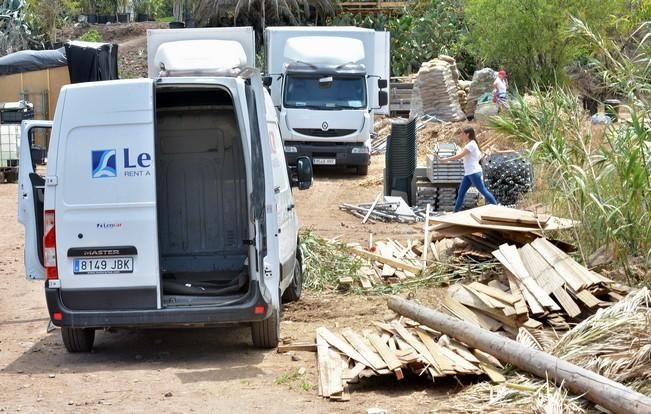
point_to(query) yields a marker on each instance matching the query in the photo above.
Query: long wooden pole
(596, 388)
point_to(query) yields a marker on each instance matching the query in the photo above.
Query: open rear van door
(382, 65)
(31, 188)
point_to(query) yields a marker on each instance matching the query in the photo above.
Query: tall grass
(599, 177)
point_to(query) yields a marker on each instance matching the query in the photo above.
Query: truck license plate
(105, 265)
(324, 161)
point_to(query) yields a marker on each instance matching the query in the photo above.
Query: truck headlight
(360, 150)
(289, 148)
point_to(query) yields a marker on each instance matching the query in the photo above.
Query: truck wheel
(265, 333)
(362, 170)
(294, 290)
(78, 339)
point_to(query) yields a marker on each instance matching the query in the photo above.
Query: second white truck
(327, 83)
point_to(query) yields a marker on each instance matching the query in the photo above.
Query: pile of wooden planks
(483, 229)
(387, 262)
(393, 348)
(541, 284)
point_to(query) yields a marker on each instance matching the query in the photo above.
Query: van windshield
(325, 92)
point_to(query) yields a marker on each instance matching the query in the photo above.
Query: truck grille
(315, 132)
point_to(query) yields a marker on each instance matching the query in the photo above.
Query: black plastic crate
(16, 117)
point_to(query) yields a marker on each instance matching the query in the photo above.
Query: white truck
(166, 201)
(327, 83)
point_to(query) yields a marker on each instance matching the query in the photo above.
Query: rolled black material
(508, 176)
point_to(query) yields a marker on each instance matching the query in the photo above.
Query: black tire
(295, 288)
(362, 170)
(78, 339)
(265, 333)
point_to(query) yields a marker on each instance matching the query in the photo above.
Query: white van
(166, 202)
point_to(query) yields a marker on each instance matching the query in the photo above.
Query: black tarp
(89, 62)
(30, 60)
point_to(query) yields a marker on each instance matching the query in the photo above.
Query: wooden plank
(501, 286)
(464, 218)
(462, 351)
(543, 273)
(456, 362)
(588, 298)
(534, 305)
(520, 305)
(494, 293)
(322, 362)
(560, 262)
(463, 296)
(443, 364)
(426, 239)
(357, 342)
(487, 300)
(517, 268)
(341, 345)
(297, 346)
(521, 217)
(416, 344)
(387, 355)
(387, 271)
(566, 302)
(386, 260)
(351, 374)
(334, 374)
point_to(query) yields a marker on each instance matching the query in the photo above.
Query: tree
(48, 16)
(530, 38)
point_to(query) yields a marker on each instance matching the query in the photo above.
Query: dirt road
(193, 370)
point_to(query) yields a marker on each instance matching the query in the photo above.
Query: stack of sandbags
(482, 82)
(435, 92)
(462, 92)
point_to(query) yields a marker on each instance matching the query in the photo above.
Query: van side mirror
(304, 175)
(267, 81)
(383, 98)
(382, 83)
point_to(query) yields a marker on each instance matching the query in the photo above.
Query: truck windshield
(325, 92)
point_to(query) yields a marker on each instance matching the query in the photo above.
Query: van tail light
(50, 246)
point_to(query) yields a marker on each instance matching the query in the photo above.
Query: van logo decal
(104, 163)
(324, 126)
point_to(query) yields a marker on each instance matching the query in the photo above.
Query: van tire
(295, 288)
(362, 170)
(265, 333)
(78, 339)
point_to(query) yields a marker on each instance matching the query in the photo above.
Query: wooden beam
(386, 260)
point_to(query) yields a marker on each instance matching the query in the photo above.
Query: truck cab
(327, 84)
(166, 201)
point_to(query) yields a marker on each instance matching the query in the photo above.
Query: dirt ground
(198, 370)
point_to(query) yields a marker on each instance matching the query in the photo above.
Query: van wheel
(294, 290)
(265, 333)
(78, 339)
(362, 170)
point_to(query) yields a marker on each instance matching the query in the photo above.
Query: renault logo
(324, 126)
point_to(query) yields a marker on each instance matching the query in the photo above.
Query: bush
(91, 36)
(425, 30)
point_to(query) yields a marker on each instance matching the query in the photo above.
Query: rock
(301, 371)
(482, 82)
(296, 358)
(52, 376)
(168, 394)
